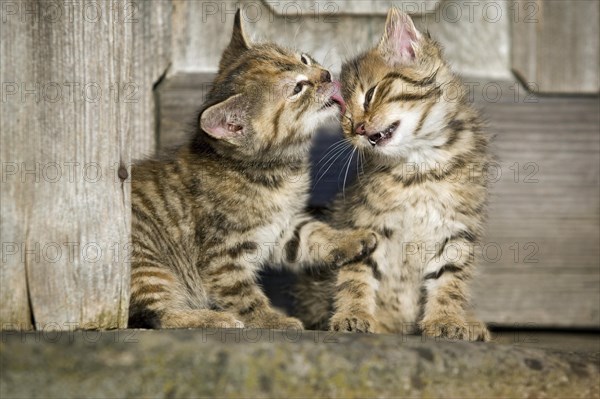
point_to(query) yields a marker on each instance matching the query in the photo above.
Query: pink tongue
(337, 95)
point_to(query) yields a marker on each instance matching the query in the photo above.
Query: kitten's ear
(227, 119)
(399, 39)
(238, 44)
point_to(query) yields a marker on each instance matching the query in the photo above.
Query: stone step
(284, 364)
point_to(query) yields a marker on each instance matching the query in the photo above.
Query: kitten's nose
(360, 130)
(326, 76)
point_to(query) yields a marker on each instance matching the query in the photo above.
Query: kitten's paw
(448, 327)
(352, 322)
(353, 245)
(226, 320)
(276, 321)
(478, 331)
(289, 323)
(454, 328)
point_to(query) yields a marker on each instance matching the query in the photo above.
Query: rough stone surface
(262, 363)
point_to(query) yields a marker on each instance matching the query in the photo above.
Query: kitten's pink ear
(238, 43)
(400, 38)
(227, 119)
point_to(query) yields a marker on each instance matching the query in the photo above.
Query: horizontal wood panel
(538, 300)
(465, 29)
(552, 278)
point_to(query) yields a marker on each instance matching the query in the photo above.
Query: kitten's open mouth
(384, 135)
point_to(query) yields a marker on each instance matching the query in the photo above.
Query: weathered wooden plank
(152, 57)
(538, 300)
(544, 214)
(71, 98)
(179, 98)
(464, 28)
(556, 45)
(475, 36)
(293, 9)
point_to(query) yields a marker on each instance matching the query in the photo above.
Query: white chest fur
(282, 210)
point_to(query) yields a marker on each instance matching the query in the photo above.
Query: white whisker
(331, 163)
(332, 148)
(347, 169)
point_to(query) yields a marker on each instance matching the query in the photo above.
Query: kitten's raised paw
(454, 328)
(353, 245)
(352, 322)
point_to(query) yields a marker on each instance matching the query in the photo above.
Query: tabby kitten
(423, 189)
(206, 218)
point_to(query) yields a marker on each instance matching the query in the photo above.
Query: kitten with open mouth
(429, 217)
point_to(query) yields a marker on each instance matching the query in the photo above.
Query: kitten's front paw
(290, 323)
(226, 320)
(353, 245)
(276, 321)
(352, 322)
(478, 331)
(454, 328)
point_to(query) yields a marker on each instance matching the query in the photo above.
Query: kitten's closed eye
(369, 97)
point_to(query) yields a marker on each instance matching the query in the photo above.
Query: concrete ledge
(263, 363)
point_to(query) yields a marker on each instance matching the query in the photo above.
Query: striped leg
(313, 297)
(167, 295)
(313, 242)
(355, 298)
(158, 300)
(233, 288)
(446, 278)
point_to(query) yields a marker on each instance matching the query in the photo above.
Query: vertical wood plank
(152, 56)
(72, 100)
(556, 45)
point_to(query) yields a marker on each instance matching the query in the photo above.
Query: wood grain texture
(351, 7)
(179, 98)
(556, 45)
(544, 214)
(540, 259)
(476, 35)
(151, 59)
(70, 111)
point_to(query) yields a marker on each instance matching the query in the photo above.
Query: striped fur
(210, 214)
(424, 190)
